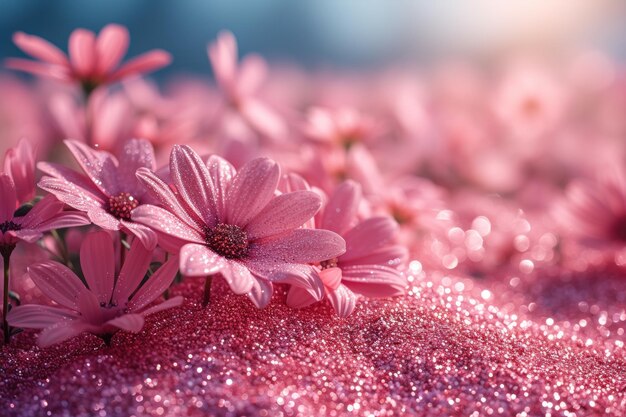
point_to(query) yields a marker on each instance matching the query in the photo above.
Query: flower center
(121, 205)
(330, 263)
(228, 240)
(8, 226)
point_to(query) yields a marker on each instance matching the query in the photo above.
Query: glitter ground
(446, 349)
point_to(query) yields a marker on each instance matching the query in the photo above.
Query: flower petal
(199, 261)
(251, 190)
(129, 322)
(33, 316)
(8, 198)
(192, 180)
(144, 234)
(374, 280)
(132, 272)
(343, 300)
(155, 286)
(82, 51)
(222, 174)
(368, 236)
(57, 282)
(283, 213)
(97, 260)
(261, 293)
(39, 48)
(341, 210)
(237, 276)
(299, 246)
(111, 45)
(61, 332)
(100, 166)
(142, 64)
(164, 222)
(167, 304)
(137, 153)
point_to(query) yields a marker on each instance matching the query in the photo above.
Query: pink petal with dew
(374, 280)
(40, 48)
(343, 300)
(33, 316)
(82, 52)
(192, 180)
(71, 194)
(81, 181)
(299, 298)
(199, 261)
(261, 293)
(57, 282)
(163, 194)
(102, 218)
(144, 234)
(44, 210)
(61, 332)
(391, 256)
(144, 63)
(167, 223)
(132, 272)
(99, 166)
(137, 153)
(129, 322)
(283, 213)
(299, 246)
(222, 174)
(167, 304)
(340, 212)
(111, 46)
(155, 285)
(19, 164)
(223, 57)
(263, 119)
(30, 236)
(298, 275)
(39, 69)
(369, 236)
(237, 276)
(251, 190)
(97, 260)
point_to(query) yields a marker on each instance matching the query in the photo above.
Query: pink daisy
(233, 223)
(106, 303)
(369, 267)
(92, 61)
(109, 191)
(240, 85)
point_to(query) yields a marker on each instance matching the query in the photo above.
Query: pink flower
(30, 224)
(232, 223)
(240, 85)
(19, 164)
(341, 127)
(595, 211)
(92, 60)
(369, 265)
(109, 191)
(106, 303)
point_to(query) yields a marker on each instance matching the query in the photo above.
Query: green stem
(207, 290)
(122, 248)
(5, 299)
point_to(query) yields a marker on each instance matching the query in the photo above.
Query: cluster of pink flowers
(326, 186)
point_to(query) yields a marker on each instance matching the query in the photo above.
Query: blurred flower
(19, 164)
(369, 267)
(106, 303)
(92, 60)
(109, 191)
(232, 223)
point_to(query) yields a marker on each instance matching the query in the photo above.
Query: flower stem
(207, 290)
(5, 299)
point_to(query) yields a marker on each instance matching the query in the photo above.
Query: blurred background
(352, 33)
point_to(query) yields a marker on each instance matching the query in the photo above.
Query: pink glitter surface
(437, 351)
